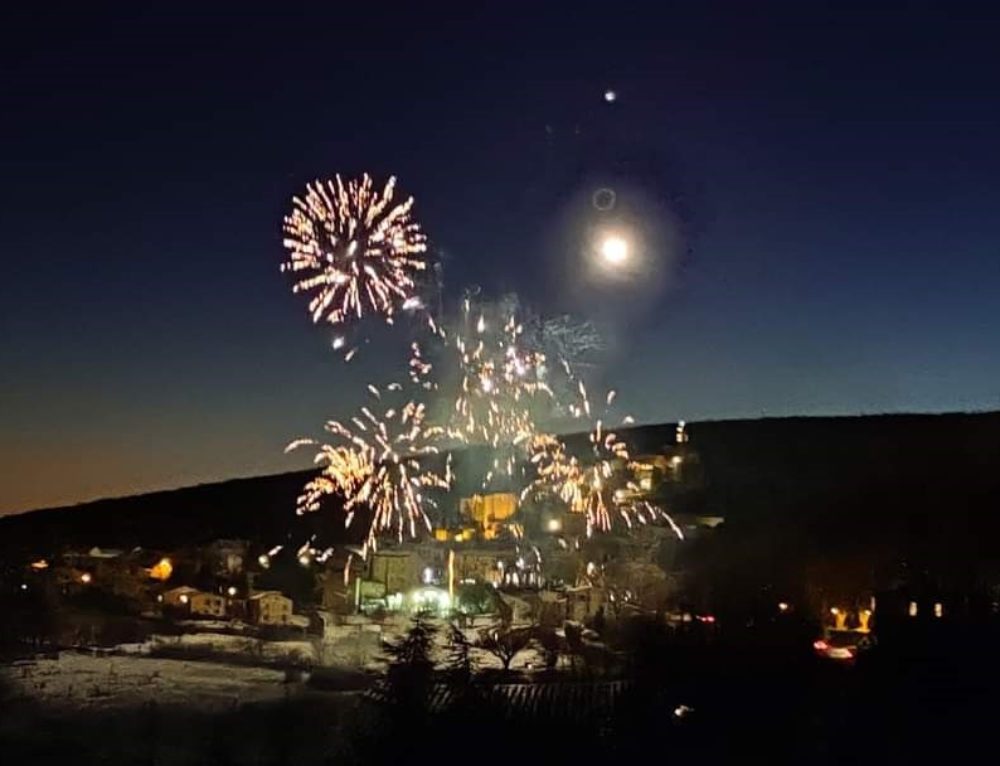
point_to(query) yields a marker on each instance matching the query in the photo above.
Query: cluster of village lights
(912, 610)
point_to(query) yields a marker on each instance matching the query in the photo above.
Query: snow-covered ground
(85, 681)
(133, 674)
(300, 651)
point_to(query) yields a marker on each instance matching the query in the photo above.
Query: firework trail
(355, 251)
(379, 461)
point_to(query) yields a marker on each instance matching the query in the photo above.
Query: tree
(477, 598)
(465, 699)
(506, 643)
(410, 667)
(549, 641)
(459, 662)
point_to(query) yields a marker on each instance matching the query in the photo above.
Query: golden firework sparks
(500, 383)
(601, 485)
(354, 250)
(380, 462)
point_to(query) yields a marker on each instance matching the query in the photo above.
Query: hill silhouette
(794, 491)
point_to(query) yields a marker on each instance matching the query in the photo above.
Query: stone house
(269, 607)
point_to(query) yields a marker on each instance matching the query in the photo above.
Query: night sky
(827, 175)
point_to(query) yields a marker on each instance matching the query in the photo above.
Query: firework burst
(601, 486)
(354, 250)
(380, 462)
(500, 383)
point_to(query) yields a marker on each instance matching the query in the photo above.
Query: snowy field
(357, 647)
(85, 681)
(132, 677)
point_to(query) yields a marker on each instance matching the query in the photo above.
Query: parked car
(842, 645)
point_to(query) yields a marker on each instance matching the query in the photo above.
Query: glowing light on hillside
(162, 570)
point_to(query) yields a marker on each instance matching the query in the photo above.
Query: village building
(270, 607)
(396, 570)
(178, 598)
(207, 604)
(195, 602)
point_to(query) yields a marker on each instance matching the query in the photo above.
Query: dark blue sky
(834, 165)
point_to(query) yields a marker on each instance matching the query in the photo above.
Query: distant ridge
(925, 483)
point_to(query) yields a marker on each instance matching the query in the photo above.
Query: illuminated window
(681, 433)
(912, 611)
(938, 609)
(865, 617)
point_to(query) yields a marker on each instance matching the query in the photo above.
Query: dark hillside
(919, 487)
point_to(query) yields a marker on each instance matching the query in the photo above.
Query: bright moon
(610, 96)
(614, 249)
